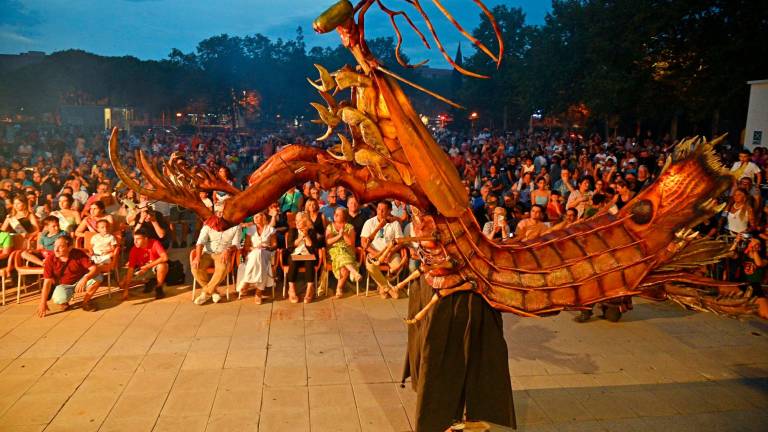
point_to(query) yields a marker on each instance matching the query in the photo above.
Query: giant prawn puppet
(647, 249)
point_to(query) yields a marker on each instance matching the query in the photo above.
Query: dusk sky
(149, 29)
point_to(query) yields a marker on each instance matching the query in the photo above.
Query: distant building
(93, 116)
(12, 62)
(757, 115)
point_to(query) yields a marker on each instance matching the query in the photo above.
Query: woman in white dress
(257, 268)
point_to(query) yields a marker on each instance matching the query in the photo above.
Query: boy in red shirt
(70, 270)
(146, 254)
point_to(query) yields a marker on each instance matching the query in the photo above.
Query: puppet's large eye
(642, 212)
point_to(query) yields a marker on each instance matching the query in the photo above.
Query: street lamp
(473, 118)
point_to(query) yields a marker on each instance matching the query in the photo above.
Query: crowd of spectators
(58, 182)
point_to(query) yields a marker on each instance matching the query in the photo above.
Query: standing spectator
(302, 245)
(744, 167)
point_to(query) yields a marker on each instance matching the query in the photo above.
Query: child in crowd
(46, 239)
(103, 244)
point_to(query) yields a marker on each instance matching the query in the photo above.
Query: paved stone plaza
(335, 365)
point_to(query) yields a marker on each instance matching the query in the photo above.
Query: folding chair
(385, 269)
(230, 265)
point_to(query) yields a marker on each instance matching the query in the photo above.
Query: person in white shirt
(744, 167)
(378, 232)
(257, 268)
(213, 248)
(103, 244)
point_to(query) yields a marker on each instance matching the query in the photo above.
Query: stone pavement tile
(245, 358)
(369, 370)
(526, 366)
(241, 379)
(391, 338)
(154, 362)
(614, 381)
(387, 418)
(607, 406)
(756, 395)
(138, 405)
(24, 428)
(528, 412)
(536, 382)
(138, 424)
(118, 364)
(85, 410)
(332, 408)
(33, 409)
(29, 366)
(317, 327)
(55, 383)
(217, 344)
(684, 400)
(131, 345)
(228, 422)
(215, 325)
(540, 427)
(408, 399)
(319, 311)
(197, 380)
(560, 406)
(196, 423)
(250, 340)
(286, 367)
(204, 360)
(171, 344)
(151, 381)
(646, 404)
(580, 426)
(284, 409)
(187, 404)
(326, 366)
(110, 382)
(73, 366)
(236, 401)
(625, 425)
(323, 340)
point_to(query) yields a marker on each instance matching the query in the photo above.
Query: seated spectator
(67, 271)
(154, 224)
(356, 216)
(6, 247)
(532, 227)
(257, 268)
(316, 220)
(45, 241)
(147, 254)
(103, 194)
(497, 228)
(20, 220)
(103, 245)
(541, 195)
(579, 198)
(329, 209)
(69, 219)
(378, 233)
(555, 207)
(340, 241)
(213, 248)
(302, 247)
(95, 214)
